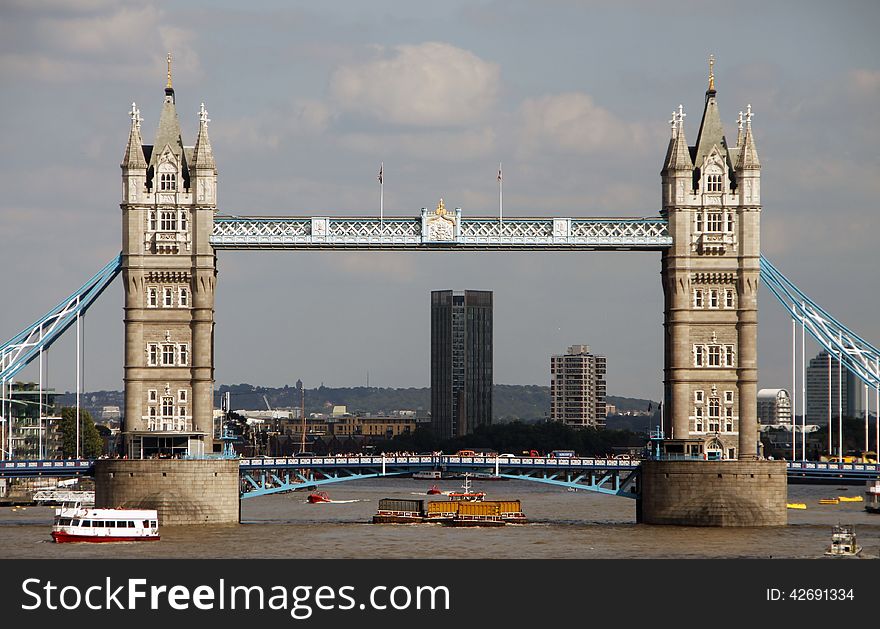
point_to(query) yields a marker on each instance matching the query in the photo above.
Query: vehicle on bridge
(562, 454)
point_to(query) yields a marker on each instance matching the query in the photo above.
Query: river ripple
(563, 525)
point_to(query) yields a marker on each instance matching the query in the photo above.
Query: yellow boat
(829, 501)
(850, 499)
(796, 505)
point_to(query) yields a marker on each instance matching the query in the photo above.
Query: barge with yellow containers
(450, 512)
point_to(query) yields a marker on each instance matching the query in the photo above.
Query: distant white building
(774, 407)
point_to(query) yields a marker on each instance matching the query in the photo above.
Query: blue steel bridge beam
(24, 347)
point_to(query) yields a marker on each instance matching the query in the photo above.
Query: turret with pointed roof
(678, 155)
(134, 150)
(748, 154)
(202, 167)
(711, 133)
(168, 142)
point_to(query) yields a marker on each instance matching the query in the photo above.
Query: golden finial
(441, 209)
(712, 73)
(168, 59)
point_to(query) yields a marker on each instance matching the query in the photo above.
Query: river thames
(562, 525)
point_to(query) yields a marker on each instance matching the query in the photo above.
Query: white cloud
(573, 123)
(95, 41)
(430, 84)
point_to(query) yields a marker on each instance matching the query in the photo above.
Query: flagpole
(500, 195)
(381, 193)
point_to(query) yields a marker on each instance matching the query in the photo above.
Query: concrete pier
(713, 493)
(182, 491)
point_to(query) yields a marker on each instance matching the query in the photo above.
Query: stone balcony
(167, 241)
(714, 243)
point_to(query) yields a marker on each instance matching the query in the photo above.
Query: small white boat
(843, 542)
(73, 523)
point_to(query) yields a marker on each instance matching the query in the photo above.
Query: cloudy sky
(307, 98)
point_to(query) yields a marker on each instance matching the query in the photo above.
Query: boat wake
(339, 502)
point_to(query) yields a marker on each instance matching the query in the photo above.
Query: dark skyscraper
(461, 361)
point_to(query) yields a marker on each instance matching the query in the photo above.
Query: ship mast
(302, 414)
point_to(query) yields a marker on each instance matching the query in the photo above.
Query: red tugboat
(318, 496)
(434, 490)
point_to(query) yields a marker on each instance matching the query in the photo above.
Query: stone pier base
(182, 491)
(713, 493)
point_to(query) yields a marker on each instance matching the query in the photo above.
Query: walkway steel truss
(855, 354)
(579, 234)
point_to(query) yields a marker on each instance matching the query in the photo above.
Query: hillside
(512, 402)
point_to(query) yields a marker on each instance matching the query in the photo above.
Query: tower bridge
(707, 233)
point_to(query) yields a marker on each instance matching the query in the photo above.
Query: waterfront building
(774, 407)
(577, 388)
(375, 426)
(35, 434)
(844, 393)
(168, 272)
(461, 361)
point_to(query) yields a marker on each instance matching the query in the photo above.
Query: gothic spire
(203, 156)
(678, 156)
(134, 152)
(711, 131)
(168, 132)
(748, 154)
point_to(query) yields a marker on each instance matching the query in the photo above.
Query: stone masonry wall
(182, 491)
(713, 493)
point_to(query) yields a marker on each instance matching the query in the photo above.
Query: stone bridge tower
(169, 272)
(712, 200)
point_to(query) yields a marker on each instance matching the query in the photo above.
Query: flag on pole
(500, 195)
(381, 179)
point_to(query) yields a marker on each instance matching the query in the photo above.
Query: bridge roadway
(342, 468)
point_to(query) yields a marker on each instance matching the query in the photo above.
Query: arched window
(183, 298)
(168, 182)
(714, 415)
(713, 183)
(168, 221)
(728, 299)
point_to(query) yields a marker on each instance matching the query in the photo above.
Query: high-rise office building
(577, 388)
(461, 361)
(845, 390)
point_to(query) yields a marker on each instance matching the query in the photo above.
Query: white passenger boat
(74, 523)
